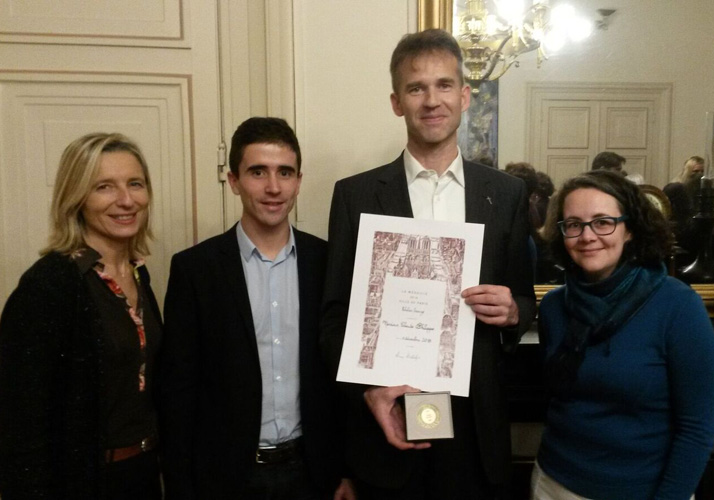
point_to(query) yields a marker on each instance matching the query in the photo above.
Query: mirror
(644, 48)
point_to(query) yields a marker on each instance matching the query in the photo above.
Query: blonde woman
(693, 169)
(78, 339)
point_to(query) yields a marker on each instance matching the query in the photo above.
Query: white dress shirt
(435, 197)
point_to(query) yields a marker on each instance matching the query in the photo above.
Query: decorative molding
(41, 112)
(145, 23)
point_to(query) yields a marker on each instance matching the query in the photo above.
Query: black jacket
(51, 424)
(493, 198)
(211, 389)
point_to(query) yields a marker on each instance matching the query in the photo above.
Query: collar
(413, 168)
(87, 258)
(247, 248)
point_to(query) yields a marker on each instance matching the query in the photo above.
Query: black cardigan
(51, 442)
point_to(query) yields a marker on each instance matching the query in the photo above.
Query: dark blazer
(51, 378)
(493, 198)
(211, 390)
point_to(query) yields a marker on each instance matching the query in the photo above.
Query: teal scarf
(596, 311)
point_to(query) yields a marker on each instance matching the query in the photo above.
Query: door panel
(568, 124)
(41, 117)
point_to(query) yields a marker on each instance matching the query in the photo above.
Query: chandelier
(492, 42)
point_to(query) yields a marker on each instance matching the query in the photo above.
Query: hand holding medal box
(428, 416)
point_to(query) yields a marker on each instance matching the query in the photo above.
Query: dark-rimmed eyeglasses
(602, 226)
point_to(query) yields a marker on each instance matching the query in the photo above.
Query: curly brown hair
(651, 240)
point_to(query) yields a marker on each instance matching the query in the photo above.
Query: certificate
(407, 322)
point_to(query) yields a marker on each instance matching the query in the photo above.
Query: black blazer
(51, 385)
(493, 198)
(211, 390)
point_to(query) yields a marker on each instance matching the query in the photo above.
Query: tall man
(245, 399)
(431, 181)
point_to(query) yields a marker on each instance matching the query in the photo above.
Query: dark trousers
(287, 480)
(136, 478)
(450, 470)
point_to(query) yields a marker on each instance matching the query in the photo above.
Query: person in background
(682, 193)
(547, 269)
(431, 181)
(247, 404)
(79, 336)
(629, 354)
(607, 160)
(682, 223)
(693, 169)
(542, 196)
(635, 178)
(527, 173)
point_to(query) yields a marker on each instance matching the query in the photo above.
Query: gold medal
(428, 416)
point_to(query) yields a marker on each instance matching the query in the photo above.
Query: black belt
(280, 452)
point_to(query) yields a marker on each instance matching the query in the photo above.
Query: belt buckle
(258, 460)
(145, 443)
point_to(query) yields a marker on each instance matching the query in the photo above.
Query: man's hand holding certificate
(492, 304)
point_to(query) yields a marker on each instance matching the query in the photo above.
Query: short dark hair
(545, 187)
(428, 41)
(651, 240)
(262, 130)
(607, 160)
(526, 172)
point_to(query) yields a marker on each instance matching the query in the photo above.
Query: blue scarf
(596, 311)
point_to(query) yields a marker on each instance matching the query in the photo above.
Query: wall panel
(129, 22)
(42, 113)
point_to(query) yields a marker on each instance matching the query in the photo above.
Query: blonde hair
(78, 169)
(687, 171)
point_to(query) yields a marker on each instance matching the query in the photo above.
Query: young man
(430, 180)
(245, 399)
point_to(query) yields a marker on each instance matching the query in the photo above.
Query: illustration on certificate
(398, 259)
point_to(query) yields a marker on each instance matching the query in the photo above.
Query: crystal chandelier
(492, 42)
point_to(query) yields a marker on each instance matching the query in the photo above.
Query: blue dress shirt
(275, 305)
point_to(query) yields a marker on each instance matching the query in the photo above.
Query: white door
(569, 124)
(148, 69)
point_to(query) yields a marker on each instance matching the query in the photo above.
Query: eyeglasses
(602, 226)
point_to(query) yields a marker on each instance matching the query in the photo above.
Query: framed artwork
(478, 134)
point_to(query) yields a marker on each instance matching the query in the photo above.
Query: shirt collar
(248, 249)
(86, 258)
(414, 168)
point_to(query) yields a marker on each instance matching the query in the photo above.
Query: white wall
(344, 119)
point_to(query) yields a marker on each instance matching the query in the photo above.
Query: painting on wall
(478, 134)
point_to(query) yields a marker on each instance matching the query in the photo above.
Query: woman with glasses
(629, 354)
